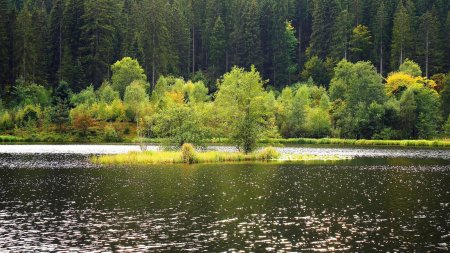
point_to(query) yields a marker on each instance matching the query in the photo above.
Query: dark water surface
(383, 200)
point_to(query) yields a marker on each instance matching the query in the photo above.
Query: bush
(27, 116)
(81, 121)
(188, 153)
(110, 134)
(6, 121)
(268, 153)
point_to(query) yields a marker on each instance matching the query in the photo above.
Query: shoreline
(274, 142)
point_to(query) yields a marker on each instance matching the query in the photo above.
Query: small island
(188, 155)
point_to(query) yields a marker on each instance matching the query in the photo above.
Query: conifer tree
(218, 47)
(380, 34)
(402, 36)
(4, 45)
(97, 37)
(56, 41)
(429, 51)
(324, 13)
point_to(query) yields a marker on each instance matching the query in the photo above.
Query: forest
(189, 70)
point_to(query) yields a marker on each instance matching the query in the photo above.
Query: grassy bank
(68, 138)
(351, 142)
(9, 138)
(188, 155)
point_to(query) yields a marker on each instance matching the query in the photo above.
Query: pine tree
(360, 43)
(56, 41)
(380, 34)
(179, 40)
(341, 34)
(402, 36)
(97, 38)
(429, 50)
(218, 47)
(153, 38)
(4, 45)
(250, 49)
(324, 13)
(30, 46)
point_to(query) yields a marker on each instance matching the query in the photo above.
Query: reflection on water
(370, 204)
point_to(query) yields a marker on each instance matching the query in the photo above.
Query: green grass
(351, 142)
(176, 157)
(10, 138)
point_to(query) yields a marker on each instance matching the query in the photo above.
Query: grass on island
(188, 155)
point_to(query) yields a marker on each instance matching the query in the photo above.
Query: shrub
(188, 153)
(81, 121)
(268, 153)
(110, 134)
(29, 115)
(6, 121)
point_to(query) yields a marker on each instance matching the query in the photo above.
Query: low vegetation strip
(188, 155)
(10, 138)
(352, 142)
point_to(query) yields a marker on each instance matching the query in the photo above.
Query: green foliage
(244, 107)
(124, 72)
(110, 134)
(447, 128)
(85, 97)
(107, 94)
(135, 98)
(180, 124)
(318, 70)
(402, 35)
(360, 43)
(6, 121)
(31, 94)
(445, 96)
(61, 98)
(411, 68)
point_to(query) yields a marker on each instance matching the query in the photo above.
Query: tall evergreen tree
(4, 45)
(360, 43)
(430, 53)
(30, 44)
(56, 41)
(324, 13)
(402, 36)
(218, 47)
(380, 34)
(97, 37)
(250, 50)
(341, 33)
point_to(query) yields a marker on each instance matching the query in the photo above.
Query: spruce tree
(4, 45)
(56, 41)
(402, 36)
(341, 34)
(360, 43)
(380, 36)
(324, 13)
(218, 47)
(98, 39)
(430, 53)
(250, 49)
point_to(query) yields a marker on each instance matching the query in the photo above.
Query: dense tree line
(357, 105)
(76, 41)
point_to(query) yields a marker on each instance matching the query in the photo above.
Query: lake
(385, 199)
